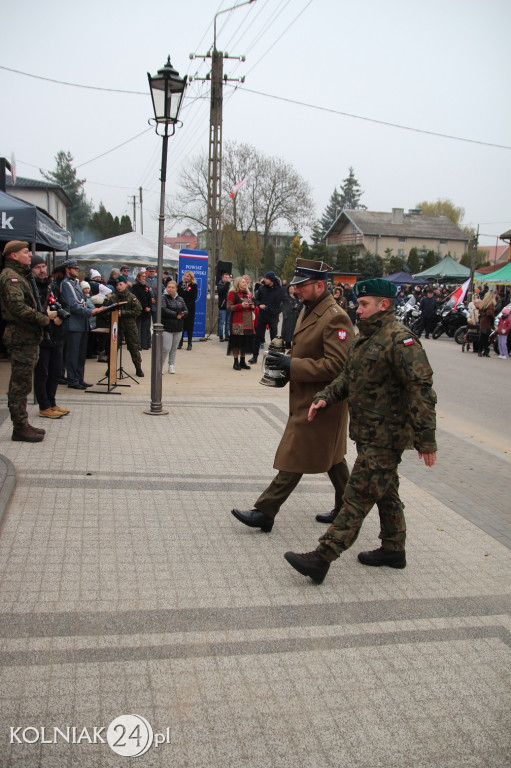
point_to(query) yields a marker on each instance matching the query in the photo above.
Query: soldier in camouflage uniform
(388, 381)
(127, 319)
(22, 336)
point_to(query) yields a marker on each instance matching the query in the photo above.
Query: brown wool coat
(319, 348)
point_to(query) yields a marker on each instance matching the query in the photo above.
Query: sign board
(196, 262)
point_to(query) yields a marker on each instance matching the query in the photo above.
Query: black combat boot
(139, 372)
(392, 558)
(328, 517)
(309, 564)
(253, 360)
(254, 519)
(244, 366)
(236, 365)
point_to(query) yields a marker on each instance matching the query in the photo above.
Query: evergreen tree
(125, 225)
(413, 263)
(332, 211)
(395, 264)
(317, 233)
(343, 261)
(64, 175)
(370, 266)
(429, 259)
(351, 193)
(305, 250)
(288, 266)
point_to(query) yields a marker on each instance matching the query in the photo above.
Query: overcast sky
(443, 66)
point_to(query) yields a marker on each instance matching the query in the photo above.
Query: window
(402, 239)
(443, 242)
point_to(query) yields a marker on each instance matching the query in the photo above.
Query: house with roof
(44, 194)
(399, 231)
(185, 239)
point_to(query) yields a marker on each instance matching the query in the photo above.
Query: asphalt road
(473, 465)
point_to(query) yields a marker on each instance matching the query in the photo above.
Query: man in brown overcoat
(321, 340)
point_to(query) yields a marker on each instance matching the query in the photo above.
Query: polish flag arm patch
(408, 342)
(342, 335)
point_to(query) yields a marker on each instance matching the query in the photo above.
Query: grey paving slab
(127, 587)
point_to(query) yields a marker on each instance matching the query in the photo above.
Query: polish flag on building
(459, 293)
(236, 188)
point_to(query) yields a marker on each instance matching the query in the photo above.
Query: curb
(7, 484)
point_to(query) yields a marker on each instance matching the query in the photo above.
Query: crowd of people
(51, 324)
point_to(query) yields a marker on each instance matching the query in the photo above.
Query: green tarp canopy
(499, 277)
(446, 270)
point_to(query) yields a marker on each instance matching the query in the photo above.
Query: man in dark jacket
(49, 366)
(223, 322)
(22, 336)
(428, 307)
(387, 381)
(268, 298)
(77, 330)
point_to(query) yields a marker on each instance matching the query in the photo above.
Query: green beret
(377, 286)
(121, 279)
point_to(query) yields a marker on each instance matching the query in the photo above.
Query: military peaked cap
(307, 269)
(377, 286)
(13, 246)
(69, 263)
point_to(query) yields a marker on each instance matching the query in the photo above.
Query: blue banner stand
(196, 262)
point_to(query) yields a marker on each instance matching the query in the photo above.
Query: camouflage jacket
(129, 311)
(24, 324)
(388, 382)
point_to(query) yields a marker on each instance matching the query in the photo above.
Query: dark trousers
(426, 324)
(144, 330)
(281, 487)
(76, 352)
(264, 319)
(46, 376)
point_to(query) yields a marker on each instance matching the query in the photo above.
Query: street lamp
(167, 91)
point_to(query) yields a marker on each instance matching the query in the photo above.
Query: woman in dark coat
(291, 307)
(486, 320)
(187, 289)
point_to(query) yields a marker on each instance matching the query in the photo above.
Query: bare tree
(274, 193)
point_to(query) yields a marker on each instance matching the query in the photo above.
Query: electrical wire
(74, 85)
(333, 111)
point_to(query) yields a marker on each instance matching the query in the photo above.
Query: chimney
(398, 215)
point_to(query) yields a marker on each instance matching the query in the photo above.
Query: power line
(371, 119)
(73, 85)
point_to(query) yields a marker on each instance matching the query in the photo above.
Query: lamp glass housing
(167, 91)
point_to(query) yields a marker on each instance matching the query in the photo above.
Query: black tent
(404, 278)
(23, 221)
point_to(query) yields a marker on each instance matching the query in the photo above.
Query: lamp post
(167, 91)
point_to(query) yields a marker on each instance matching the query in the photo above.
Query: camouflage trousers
(281, 487)
(373, 480)
(23, 362)
(130, 333)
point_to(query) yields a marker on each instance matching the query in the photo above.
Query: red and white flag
(236, 188)
(459, 294)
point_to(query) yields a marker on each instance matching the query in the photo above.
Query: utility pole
(132, 200)
(217, 77)
(141, 211)
(473, 254)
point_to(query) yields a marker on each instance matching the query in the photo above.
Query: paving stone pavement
(127, 587)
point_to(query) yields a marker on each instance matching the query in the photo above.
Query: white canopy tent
(132, 249)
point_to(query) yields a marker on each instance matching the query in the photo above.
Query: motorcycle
(408, 314)
(450, 322)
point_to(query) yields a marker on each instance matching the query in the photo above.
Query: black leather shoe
(253, 361)
(236, 366)
(390, 557)
(328, 517)
(244, 366)
(309, 564)
(84, 384)
(76, 386)
(254, 519)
